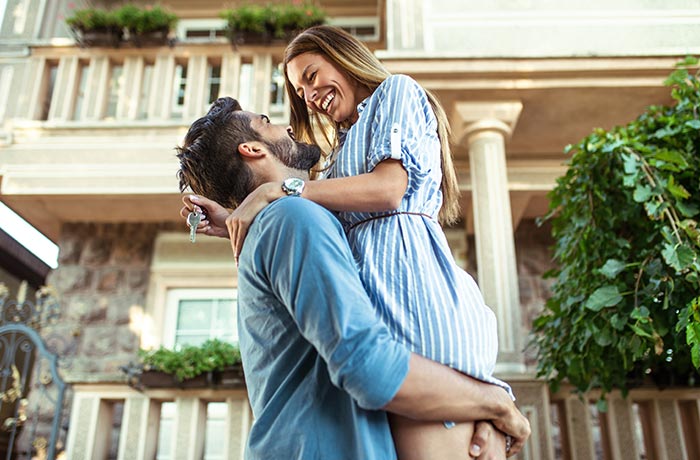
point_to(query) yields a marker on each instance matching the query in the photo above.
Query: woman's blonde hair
(361, 65)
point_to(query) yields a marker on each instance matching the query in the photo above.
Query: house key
(193, 220)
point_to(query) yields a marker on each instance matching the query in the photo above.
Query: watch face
(294, 183)
(293, 186)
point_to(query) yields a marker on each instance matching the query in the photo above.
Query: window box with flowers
(148, 26)
(95, 27)
(270, 24)
(214, 364)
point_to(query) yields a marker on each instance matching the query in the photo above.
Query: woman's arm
(380, 190)
(376, 191)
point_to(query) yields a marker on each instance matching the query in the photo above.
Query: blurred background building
(87, 137)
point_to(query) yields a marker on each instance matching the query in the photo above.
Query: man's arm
(432, 391)
(306, 259)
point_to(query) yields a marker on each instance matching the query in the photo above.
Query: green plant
(290, 18)
(191, 361)
(144, 20)
(246, 18)
(89, 19)
(276, 20)
(626, 298)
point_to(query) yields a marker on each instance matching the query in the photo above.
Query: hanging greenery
(625, 304)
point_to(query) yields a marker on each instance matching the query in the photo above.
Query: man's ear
(251, 149)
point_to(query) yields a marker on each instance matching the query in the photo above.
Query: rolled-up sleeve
(313, 272)
(402, 118)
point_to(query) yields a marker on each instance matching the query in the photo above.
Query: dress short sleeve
(402, 125)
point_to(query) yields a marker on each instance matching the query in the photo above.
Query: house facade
(87, 137)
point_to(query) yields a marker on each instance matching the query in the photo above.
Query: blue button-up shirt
(318, 362)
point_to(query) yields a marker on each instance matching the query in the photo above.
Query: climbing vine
(625, 302)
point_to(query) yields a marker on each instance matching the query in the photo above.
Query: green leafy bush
(272, 21)
(625, 304)
(191, 361)
(144, 20)
(89, 19)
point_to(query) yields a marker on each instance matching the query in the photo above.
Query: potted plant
(149, 26)
(95, 27)
(260, 25)
(287, 20)
(214, 363)
(247, 24)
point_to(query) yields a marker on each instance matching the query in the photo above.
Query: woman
(389, 177)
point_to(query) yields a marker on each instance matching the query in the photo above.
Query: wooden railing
(649, 424)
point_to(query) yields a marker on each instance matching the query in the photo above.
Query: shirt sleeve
(401, 121)
(311, 268)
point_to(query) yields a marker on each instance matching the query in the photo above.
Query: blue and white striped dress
(429, 303)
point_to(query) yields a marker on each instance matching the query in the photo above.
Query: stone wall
(534, 256)
(102, 275)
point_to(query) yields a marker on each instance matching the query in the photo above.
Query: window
(363, 27)
(20, 13)
(277, 93)
(196, 315)
(213, 83)
(49, 82)
(180, 86)
(145, 93)
(82, 87)
(116, 84)
(201, 30)
(165, 432)
(215, 431)
(5, 83)
(245, 83)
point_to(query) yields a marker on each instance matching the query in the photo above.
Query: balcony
(98, 126)
(169, 424)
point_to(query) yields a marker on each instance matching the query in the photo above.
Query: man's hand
(488, 443)
(213, 221)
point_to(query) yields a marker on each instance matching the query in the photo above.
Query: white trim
(210, 25)
(353, 22)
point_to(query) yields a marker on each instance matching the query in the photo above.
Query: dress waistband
(396, 213)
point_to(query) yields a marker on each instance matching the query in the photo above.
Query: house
(87, 137)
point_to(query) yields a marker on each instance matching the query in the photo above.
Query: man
(319, 363)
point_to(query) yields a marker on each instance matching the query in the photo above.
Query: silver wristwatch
(293, 186)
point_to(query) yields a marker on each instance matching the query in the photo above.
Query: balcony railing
(213, 424)
(73, 87)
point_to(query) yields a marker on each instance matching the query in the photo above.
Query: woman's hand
(241, 218)
(213, 221)
(488, 443)
(515, 424)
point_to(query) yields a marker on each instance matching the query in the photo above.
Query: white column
(197, 88)
(97, 89)
(139, 431)
(130, 91)
(484, 129)
(161, 97)
(65, 87)
(190, 425)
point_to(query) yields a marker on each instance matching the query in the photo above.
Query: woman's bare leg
(416, 440)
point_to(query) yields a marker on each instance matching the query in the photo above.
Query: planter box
(99, 38)
(155, 38)
(231, 377)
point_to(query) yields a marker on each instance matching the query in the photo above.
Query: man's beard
(296, 155)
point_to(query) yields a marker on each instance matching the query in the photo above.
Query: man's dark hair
(209, 160)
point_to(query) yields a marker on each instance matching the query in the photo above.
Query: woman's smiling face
(324, 87)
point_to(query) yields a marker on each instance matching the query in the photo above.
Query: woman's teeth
(326, 102)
